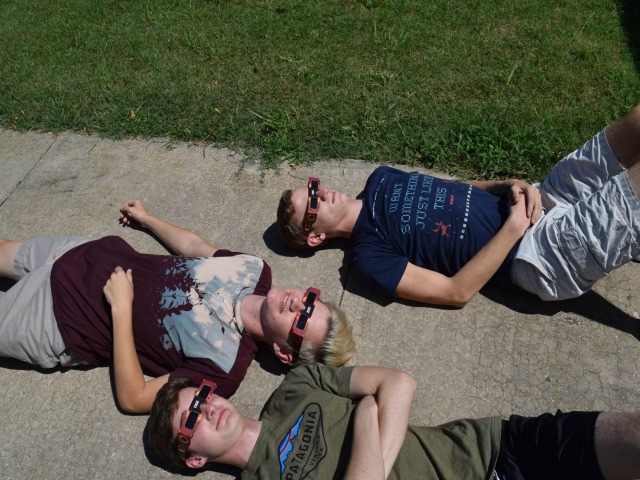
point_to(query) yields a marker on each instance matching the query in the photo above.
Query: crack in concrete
(28, 173)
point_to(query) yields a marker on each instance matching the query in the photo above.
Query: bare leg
(634, 178)
(8, 250)
(617, 442)
(624, 138)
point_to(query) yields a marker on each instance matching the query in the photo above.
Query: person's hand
(530, 196)
(119, 288)
(518, 218)
(133, 210)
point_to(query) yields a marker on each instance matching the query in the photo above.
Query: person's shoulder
(223, 253)
(317, 375)
(388, 169)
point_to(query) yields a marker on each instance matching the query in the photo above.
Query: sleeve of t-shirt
(264, 283)
(383, 169)
(379, 266)
(196, 369)
(335, 380)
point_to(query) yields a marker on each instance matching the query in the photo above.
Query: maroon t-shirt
(184, 309)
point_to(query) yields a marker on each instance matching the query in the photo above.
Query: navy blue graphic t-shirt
(433, 223)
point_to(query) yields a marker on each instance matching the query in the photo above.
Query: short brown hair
(291, 233)
(160, 423)
(338, 346)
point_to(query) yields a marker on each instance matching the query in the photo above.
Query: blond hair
(338, 346)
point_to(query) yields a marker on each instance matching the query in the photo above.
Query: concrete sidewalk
(502, 354)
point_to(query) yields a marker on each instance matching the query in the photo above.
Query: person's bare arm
(393, 391)
(134, 394)
(423, 285)
(365, 462)
(181, 240)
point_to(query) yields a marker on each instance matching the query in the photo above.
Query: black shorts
(549, 447)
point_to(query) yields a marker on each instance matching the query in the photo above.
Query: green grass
(478, 88)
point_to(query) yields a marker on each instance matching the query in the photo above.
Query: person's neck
(239, 455)
(345, 227)
(250, 312)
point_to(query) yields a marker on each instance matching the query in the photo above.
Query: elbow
(408, 383)
(129, 406)
(460, 300)
(460, 297)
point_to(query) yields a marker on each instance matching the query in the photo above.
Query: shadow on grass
(629, 11)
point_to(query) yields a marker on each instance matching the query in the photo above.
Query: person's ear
(283, 355)
(315, 239)
(196, 462)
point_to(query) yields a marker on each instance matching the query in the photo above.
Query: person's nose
(207, 409)
(296, 304)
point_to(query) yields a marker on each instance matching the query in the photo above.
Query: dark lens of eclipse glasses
(204, 392)
(192, 418)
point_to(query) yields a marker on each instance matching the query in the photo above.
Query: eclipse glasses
(194, 414)
(302, 320)
(313, 202)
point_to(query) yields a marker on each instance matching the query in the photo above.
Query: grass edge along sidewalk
(490, 90)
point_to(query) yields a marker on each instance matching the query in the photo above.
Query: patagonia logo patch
(304, 446)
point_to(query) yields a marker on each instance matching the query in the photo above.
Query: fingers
(516, 193)
(127, 215)
(534, 204)
(532, 197)
(119, 273)
(129, 204)
(531, 194)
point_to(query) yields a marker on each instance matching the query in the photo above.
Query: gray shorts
(591, 226)
(28, 328)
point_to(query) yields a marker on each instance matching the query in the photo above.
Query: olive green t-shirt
(307, 432)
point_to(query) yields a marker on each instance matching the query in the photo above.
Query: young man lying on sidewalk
(352, 423)
(437, 241)
(197, 315)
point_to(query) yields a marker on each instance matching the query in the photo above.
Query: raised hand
(134, 210)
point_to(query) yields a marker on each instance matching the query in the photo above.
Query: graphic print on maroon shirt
(185, 310)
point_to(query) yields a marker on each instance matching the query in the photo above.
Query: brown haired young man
(436, 241)
(352, 423)
(196, 315)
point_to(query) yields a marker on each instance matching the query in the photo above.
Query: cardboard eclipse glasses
(313, 202)
(302, 320)
(194, 414)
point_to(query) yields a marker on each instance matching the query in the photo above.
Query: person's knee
(8, 250)
(634, 117)
(617, 444)
(624, 138)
